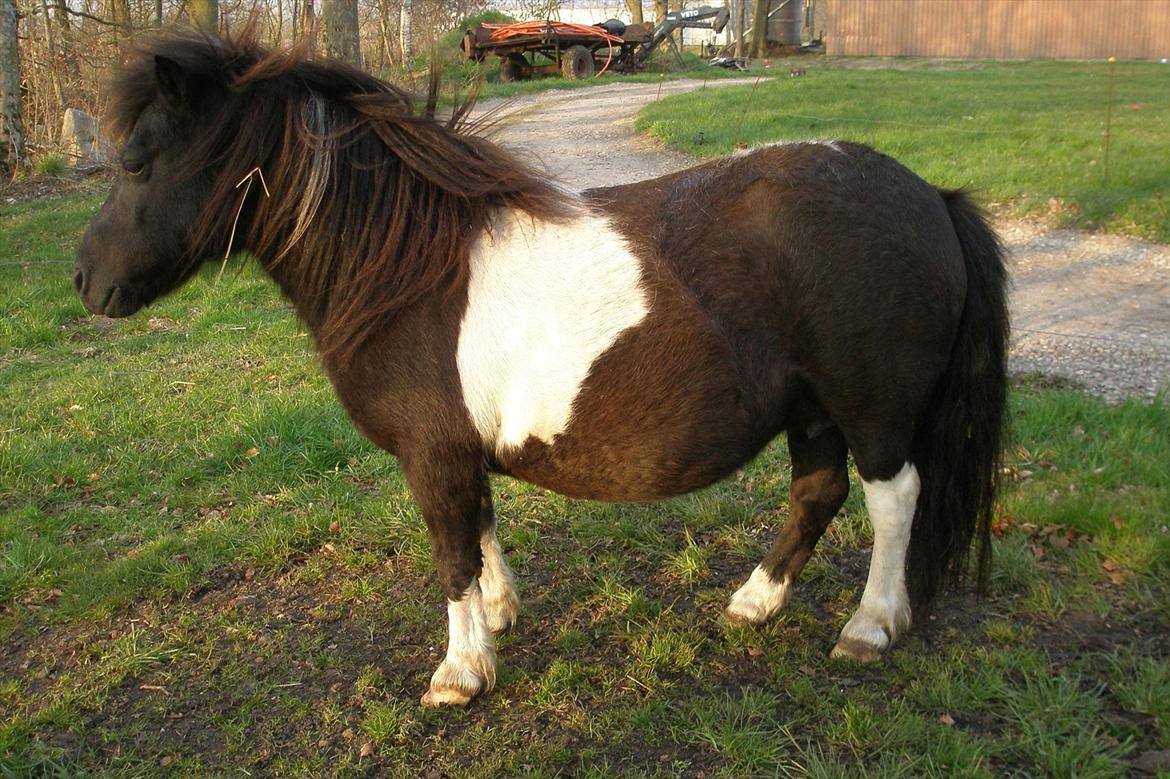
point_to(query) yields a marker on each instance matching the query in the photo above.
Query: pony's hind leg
(820, 484)
(496, 582)
(448, 486)
(884, 612)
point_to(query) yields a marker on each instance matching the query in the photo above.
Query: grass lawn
(204, 569)
(1027, 137)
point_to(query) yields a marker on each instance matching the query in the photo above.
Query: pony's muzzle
(114, 300)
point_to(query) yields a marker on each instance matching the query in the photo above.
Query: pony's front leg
(449, 485)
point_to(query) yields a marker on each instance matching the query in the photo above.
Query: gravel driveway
(1092, 309)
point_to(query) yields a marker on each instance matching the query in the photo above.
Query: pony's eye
(133, 167)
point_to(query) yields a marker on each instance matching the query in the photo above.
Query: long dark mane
(373, 202)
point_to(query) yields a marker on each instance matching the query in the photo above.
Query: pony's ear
(173, 82)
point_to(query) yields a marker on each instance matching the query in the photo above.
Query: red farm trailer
(580, 50)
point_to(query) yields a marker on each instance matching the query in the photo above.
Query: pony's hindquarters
(899, 301)
(927, 517)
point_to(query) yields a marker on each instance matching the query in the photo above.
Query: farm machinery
(580, 51)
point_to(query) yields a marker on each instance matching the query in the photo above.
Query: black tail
(957, 446)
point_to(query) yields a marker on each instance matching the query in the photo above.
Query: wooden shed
(999, 29)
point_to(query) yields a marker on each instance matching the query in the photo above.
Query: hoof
(456, 684)
(501, 611)
(434, 698)
(857, 651)
(736, 614)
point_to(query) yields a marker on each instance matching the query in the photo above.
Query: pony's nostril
(78, 279)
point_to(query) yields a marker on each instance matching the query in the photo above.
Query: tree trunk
(204, 14)
(760, 29)
(54, 59)
(309, 25)
(61, 13)
(740, 25)
(406, 33)
(635, 7)
(339, 30)
(125, 16)
(11, 126)
(660, 10)
(383, 39)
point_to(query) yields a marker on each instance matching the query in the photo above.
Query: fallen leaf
(947, 720)
(367, 749)
(807, 670)
(755, 651)
(252, 452)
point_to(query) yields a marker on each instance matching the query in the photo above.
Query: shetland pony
(624, 343)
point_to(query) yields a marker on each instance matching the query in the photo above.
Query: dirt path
(1093, 309)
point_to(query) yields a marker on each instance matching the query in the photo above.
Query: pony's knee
(455, 578)
(827, 488)
(891, 506)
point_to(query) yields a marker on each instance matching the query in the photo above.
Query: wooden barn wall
(999, 29)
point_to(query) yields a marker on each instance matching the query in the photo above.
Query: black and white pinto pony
(623, 343)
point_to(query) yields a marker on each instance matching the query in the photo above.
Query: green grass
(1027, 137)
(204, 569)
(49, 165)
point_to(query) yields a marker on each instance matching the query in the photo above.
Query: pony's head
(369, 202)
(142, 243)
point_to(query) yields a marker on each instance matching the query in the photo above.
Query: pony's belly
(634, 474)
(633, 443)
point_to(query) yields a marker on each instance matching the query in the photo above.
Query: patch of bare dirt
(23, 190)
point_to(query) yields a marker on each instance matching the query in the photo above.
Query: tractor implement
(581, 51)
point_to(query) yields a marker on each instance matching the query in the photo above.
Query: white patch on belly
(545, 300)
